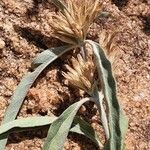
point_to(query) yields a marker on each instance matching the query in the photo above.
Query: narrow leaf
(22, 89)
(117, 120)
(30, 122)
(82, 127)
(24, 124)
(46, 55)
(59, 129)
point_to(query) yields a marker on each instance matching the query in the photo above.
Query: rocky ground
(25, 31)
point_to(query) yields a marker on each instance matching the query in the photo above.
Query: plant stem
(99, 101)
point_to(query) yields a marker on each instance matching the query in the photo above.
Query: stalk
(98, 96)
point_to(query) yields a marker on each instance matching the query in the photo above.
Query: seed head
(81, 74)
(106, 41)
(72, 23)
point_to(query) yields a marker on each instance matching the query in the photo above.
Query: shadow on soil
(120, 3)
(146, 24)
(36, 37)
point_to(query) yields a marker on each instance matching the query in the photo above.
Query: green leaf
(25, 84)
(24, 124)
(47, 55)
(118, 123)
(59, 129)
(82, 127)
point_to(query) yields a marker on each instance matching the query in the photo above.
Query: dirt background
(25, 31)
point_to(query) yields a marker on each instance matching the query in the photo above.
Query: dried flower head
(106, 41)
(81, 74)
(72, 23)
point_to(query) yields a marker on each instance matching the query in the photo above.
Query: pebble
(2, 44)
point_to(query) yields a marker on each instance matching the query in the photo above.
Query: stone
(2, 44)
